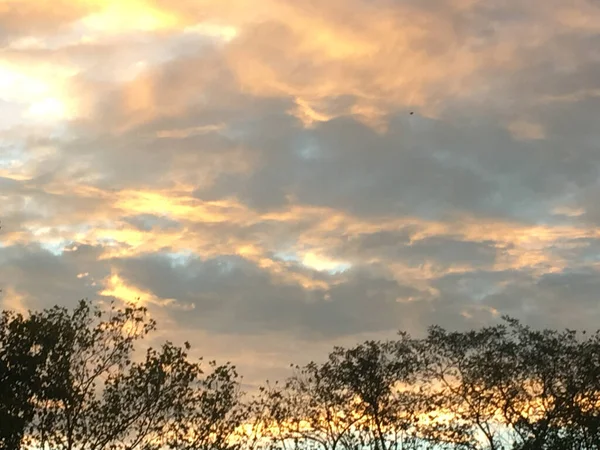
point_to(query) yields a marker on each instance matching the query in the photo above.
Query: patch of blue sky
(308, 148)
(180, 258)
(287, 256)
(55, 246)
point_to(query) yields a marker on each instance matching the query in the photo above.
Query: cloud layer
(274, 177)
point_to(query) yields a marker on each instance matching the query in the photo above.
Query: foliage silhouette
(77, 380)
(84, 390)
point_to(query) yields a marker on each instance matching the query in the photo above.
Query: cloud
(35, 17)
(284, 174)
(37, 278)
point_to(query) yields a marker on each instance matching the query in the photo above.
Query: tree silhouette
(74, 380)
(31, 353)
(376, 374)
(84, 390)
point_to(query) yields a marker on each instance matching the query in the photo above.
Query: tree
(95, 359)
(459, 372)
(554, 389)
(517, 388)
(362, 397)
(379, 375)
(88, 389)
(212, 413)
(266, 415)
(31, 351)
(585, 412)
(314, 409)
(75, 380)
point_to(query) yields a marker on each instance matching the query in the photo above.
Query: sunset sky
(251, 169)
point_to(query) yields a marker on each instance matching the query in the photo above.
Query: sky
(275, 177)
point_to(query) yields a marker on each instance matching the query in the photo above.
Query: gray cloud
(45, 279)
(232, 295)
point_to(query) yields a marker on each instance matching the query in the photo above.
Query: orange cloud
(30, 16)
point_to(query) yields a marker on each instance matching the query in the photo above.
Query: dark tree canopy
(504, 387)
(77, 380)
(69, 380)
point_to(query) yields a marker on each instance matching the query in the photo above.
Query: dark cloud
(232, 295)
(404, 245)
(44, 279)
